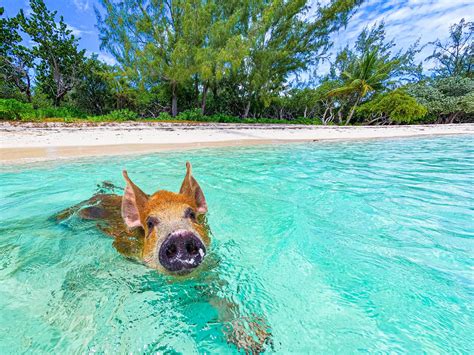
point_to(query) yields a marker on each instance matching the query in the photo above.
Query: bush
(59, 112)
(392, 107)
(191, 115)
(121, 115)
(164, 116)
(11, 109)
(448, 99)
(196, 116)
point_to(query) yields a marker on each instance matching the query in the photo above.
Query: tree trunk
(57, 101)
(196, 90)
(453, 116)
(323, 119)
(204, 97)
(174, 100)
(305, 111)
(28, 88)
(247, 109)
(351, 113)
(28, 94)
(214, 91)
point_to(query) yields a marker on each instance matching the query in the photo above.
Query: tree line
(231, 61)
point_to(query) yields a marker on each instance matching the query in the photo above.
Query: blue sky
(406, 20)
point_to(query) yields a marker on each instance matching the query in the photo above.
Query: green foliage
(16, 60)
(41, 100)
(56, 48)
(256, 43)
(455, 57)
(448, 99)
(164, 116)
(227, 61)
(392, 107)
(93, 93)
(59, 112)
(368, 68)
(191, 115)
(121, 115)
(11, 109)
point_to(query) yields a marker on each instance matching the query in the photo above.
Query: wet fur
(112, 213)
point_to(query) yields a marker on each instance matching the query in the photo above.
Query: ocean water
(342, 247)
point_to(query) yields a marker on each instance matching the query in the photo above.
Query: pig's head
(174, 239)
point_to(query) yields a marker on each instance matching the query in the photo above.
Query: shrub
(448, 99)
(191, 115)
(11, 109)
(121, 115)
(59, 112)
(164, 116)
(223, 118)
(392, 107)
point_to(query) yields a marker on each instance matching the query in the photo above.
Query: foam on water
(342, 247)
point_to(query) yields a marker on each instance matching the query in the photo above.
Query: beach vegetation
(393, 107)
(229, 61)
(57, 58)
(448, 99)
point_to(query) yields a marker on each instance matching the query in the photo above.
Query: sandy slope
(33, 141)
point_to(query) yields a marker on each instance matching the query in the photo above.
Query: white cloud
(78, 32)
(108, 59)
(104, 57)
(82, 5)
(407, 20)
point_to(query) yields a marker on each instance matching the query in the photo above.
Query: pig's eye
(189, 213)
(151, 222)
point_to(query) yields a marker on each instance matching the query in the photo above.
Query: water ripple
(342, 247)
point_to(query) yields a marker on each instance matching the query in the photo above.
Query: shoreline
(32, 142)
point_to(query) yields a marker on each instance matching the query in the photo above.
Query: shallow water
(341, 247)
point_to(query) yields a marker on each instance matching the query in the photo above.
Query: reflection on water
(342, 247)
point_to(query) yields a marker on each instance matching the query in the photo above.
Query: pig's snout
(181, 251)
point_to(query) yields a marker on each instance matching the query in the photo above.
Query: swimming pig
(168, 232)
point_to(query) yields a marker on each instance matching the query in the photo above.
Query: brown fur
(125, 219)
(169, 208)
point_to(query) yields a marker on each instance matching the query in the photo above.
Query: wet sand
(25, 142)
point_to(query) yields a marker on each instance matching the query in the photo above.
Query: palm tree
(364, 75)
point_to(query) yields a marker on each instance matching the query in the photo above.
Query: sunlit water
(341, 247)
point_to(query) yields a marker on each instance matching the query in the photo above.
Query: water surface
(342, 247)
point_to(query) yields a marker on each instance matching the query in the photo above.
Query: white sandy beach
(44, 141)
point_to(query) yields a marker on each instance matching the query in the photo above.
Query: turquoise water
(341, 247)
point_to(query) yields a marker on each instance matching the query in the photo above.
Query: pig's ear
(133, 203)
(191, 188)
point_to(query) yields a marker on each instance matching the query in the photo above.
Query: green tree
(448, 100)
(363, 76)
(149, 41)
(218, 45)
(285, 40)
(326, 107)
(392, 107)
(255, 44)
(16, 60)
(455, 57)
(93, 94)
(60, 60)
(369, 68)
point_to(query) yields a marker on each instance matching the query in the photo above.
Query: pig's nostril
(171, 251)
(181, 251)
(192, 248)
